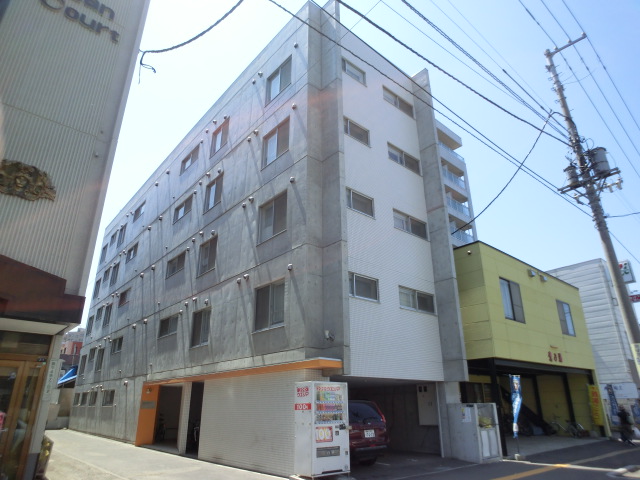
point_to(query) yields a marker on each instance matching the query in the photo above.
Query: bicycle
(573, 428)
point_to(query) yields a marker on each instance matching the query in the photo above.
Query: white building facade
(66, 70)
(300, 231)
(615, 364)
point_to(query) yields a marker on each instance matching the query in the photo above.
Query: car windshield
(362, 412)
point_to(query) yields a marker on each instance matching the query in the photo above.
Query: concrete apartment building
(300, 231)
(521, 321)
(66, 68)
(615, 364)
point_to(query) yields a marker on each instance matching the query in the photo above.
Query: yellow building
(518, 320)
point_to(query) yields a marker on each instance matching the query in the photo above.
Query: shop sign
(554, 356)
(85, 20)
(596, 406)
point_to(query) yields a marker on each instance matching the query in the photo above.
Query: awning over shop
(68, 377)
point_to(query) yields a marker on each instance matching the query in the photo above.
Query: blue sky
(527, 220)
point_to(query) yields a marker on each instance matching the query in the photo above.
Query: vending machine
(322, 429)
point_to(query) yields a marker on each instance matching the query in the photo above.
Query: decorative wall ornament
(25, 181)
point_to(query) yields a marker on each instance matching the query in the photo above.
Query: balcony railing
(451, 151)
(463, 237)
(458, 207)
(455, 179)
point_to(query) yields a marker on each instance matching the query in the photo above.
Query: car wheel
(368, 462)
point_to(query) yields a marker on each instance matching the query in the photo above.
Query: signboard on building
(634, 298)
(627, 273)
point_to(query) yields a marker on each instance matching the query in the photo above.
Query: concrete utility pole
(590, 173)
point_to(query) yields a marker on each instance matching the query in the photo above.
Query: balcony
(462, 238)
(454, 179)
(451, 152)
(458, 207)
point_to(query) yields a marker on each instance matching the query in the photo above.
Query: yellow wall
(488, 333)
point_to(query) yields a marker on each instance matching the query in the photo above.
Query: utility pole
(590, 173)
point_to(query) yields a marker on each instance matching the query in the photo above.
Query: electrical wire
(484, 140)
(520, 165)
(453, 77)
(186, 42)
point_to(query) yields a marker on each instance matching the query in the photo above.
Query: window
(219, 137)
(83, 364)
(213, 194)
(103, 255)
(90, 324)
(108, 397)
(124, 297)
(107, 315)
(96, 289)
(182, 209)
(275, 143)
(114, 274)
(175, 264)
(99, 316)
(409, 224)
(83, 398)
(356, 131)
(200, 332)
(168, 326)
(92, 398)
(269, 306)
(415, 300)
(92, 355)
(107, 274)
(207, 259)
(189, 160)
(99, 358)
(403, 159)
(363, 287)
(138, 212)
(116, 345)
(566, 320)
(76, 399)
(114, 237)
(353, 71)
(279, 80)
(121, 234)
(511, 300)
(273, 217)
(131, 253)
(397, 102)
(359, 202)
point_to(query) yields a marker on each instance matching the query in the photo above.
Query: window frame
(512, 300)
(353, 291)
(114, 237)
(348, 124)
(172, 326)
(106, 319)
(99, 361)
(184, 207)
(114, 274)
(123, 297)
(116, 345)
(108, 398)
(222, 132)
(83, 364)
(90, 324)
(415, 300)
(121, 235)
(402, 157)
(103, 254)
(131, 253)
(269, 309)
(277, 218)
(346, 63)
(285, 67)
(567, 327)
(211, 264)
(106, 276)
(83, 399)
(409, 224)
(398, 102)
(96, 288)
(361, 199)
(217, 193)
(93, 396)
(189, 160)
(200, 328)
(137, 213)
(281, 142)
(180, 261)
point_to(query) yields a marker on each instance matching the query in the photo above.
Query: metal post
(593, 198)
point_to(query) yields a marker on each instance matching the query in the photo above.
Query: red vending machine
(321, 428)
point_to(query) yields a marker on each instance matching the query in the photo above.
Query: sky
(529, 219)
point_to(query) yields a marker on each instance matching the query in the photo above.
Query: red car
(368, 437)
